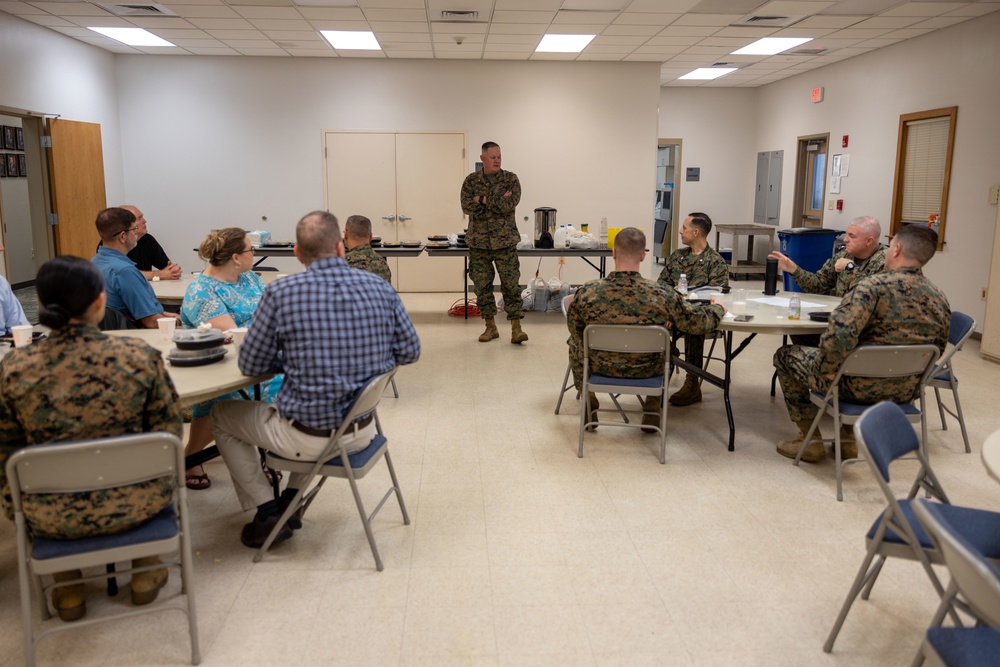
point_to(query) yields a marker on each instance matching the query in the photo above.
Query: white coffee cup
(238, 335)
(167, 326)
(22, 334)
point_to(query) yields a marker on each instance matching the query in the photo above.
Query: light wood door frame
(675, 198)
(802, 181)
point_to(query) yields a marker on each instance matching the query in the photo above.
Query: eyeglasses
(249, 250)
(129, 230)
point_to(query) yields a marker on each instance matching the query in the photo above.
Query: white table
(767, 319)
(991, 455)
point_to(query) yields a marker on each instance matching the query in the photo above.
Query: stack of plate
(376, 242)
(410, 243)
(197, 348)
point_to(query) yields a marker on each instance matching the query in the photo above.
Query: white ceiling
(679, 34)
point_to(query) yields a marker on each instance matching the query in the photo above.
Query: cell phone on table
(743, 318)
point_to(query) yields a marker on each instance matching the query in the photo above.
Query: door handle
(389, 217)
(404, 218)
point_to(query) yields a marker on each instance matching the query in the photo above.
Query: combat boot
(848, 445)
(688, 394)
(593, 410)
(814, 453)
(652, 407)
(146, 585)
(491, 331)
(70, 601)
(516, 335)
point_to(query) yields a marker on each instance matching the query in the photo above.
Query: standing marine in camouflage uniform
(489, 198)
(625, 297)
(77, 384)
(359, 253)
(703, 266)
(897, 307)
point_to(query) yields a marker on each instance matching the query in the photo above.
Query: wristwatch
(850, 266)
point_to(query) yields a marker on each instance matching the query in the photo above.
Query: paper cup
(167, 326)
(238, 335)
(740, 302)
(22, 334)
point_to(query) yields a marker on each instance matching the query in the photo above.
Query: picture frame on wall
(9, 138)
(11, 160)
(22, 165)
(3, 165)
(19, 138)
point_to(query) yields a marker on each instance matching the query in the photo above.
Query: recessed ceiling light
(708, 73)
(563, 43)
(133, 36)
(358, 40)
(769, 46)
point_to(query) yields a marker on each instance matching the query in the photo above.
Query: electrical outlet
(994, 196)
(562, 260)
(982, 293)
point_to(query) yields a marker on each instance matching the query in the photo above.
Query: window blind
(923, 173)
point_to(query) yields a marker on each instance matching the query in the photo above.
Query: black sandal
(269, 474)
(197, 482)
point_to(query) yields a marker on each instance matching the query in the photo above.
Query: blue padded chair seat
(944, 377)
(855, 409)
(161, 527)
(654, 382)
(980, 527)
(965, 647)
(357, 459)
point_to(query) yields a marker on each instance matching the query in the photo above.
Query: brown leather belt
(326, 433)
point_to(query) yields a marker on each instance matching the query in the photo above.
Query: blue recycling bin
(808, 247)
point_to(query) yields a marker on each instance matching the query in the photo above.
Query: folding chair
(884, 435)
(973, 577)
(333, 463)
(943, 375)
(567, 383)
(872, 361)
(93, 465)
(625, 339)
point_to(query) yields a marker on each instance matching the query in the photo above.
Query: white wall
(45, 72)
(210, 142)
(864, 97)
(15, 213)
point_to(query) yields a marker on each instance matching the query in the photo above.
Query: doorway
(810, 180)
(666, 204)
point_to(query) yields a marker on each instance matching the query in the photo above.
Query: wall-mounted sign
(693, 173)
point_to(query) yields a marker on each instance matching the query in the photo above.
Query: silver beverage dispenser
(545, 226)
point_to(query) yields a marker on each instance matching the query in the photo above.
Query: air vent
(724, 65)
(457, 16)
(122, 9)
(760, 21)
(806, 52)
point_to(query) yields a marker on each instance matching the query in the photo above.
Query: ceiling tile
(887, 22)
(393, 26)
(206, 11)
(235, 34)
(578, 17)
(627, 29)
(152, 22)
(642, 18)
(206, 51)
(268, 12)
(295, 35)
(20, 8)
(280, 24)
(332, 13)
(221, 24)
(922, 9)
(48, 20)
(173, 33)
(522, 17)
(396, 15)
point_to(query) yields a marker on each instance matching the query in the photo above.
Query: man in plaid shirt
(329, 329)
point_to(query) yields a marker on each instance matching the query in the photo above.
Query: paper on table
(782, 301)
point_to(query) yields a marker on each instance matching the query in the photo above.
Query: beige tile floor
(522, 554)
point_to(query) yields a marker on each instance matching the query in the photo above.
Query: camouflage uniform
(705, 269)
(80, 384)
(625, 297)
(828, 281)
(492, 238)
(365, 258)
(899, 307)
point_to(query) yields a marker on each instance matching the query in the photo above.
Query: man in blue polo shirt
(127, 289)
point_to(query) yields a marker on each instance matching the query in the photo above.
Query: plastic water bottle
(559, 238)
(602, 240)
(794, 307)
(570, 230)
(682, 284)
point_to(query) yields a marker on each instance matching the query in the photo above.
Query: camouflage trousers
(613, 364)
(796, 366)
(482, 273)
(694, 349)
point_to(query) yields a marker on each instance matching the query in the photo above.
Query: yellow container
(612, 233)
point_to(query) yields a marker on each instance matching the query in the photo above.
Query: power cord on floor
(458, 309)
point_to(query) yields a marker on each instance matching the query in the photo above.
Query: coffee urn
(545, 226)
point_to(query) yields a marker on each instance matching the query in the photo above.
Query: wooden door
(76, 173)
(385, 176)
(430, 169)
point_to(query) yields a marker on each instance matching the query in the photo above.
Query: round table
(991, 455)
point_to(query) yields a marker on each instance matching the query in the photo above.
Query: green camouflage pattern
(481, 263)
(625, 297)
(365, 258)
(828, 281)
(491, 225)
(79, 384)
(898, 307)
(704, 269)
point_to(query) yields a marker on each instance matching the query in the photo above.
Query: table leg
(465, 283)
(750, 248)
(725, 388)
